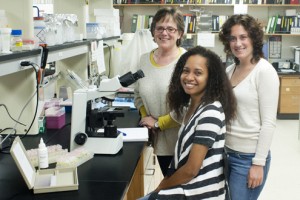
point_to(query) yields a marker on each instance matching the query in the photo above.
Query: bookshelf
(261, 11)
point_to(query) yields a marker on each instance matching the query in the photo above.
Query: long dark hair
(218, 87)
(254, 30)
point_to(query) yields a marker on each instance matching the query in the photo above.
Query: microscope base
(104, 145)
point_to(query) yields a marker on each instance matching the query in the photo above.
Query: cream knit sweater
(257, 99)
(151, 91)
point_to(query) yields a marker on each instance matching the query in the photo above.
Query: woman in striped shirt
(200, 92)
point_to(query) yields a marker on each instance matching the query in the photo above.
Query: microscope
(86, 121)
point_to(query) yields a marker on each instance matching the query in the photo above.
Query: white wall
(19, 15)
(17, 88)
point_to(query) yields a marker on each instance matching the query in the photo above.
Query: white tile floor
(283, 182)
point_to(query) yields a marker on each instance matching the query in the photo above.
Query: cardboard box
(46, 180)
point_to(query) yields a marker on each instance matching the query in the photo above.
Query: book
(139, 22)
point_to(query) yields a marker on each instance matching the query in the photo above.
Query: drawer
(290, 100)
(289, 109)
(289, 104)
(290, 90)
(290, 81)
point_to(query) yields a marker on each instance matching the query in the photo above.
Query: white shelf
(67, 53)
(13, 65)
(10, 63)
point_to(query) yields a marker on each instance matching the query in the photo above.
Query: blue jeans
(238, 169)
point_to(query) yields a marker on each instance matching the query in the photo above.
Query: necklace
(239, 74)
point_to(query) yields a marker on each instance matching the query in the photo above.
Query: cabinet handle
(150, 172)
(154, 160)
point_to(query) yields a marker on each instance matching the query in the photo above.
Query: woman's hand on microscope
(148, 122)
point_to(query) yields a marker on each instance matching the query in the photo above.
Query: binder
(278, 24)
(134, 23)
(273, 24)
(146, 25)
(269, 25)
(215, 23)
(187, 19)
(194, 24)
(282, 25)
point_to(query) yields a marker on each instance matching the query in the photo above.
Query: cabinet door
(152, 171)
(289, 95)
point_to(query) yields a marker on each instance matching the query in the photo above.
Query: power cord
(10, 115)
(9, 143)
(35, 67)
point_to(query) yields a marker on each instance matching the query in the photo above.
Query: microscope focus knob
(80, 138)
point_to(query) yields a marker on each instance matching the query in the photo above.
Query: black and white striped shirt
(205, 127)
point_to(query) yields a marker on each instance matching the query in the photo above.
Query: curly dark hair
(254, 30)
(174, 13)
(218, 87)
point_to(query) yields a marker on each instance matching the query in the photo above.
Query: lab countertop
(103, 177)
(294, 73)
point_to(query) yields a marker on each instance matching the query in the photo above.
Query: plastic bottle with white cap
(43, 155)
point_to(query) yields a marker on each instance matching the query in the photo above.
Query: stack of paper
(134, 134)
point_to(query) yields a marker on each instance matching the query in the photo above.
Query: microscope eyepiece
(129, 78)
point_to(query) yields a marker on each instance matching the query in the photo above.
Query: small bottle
(5, 40)
(16, 40)
(43, 155)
